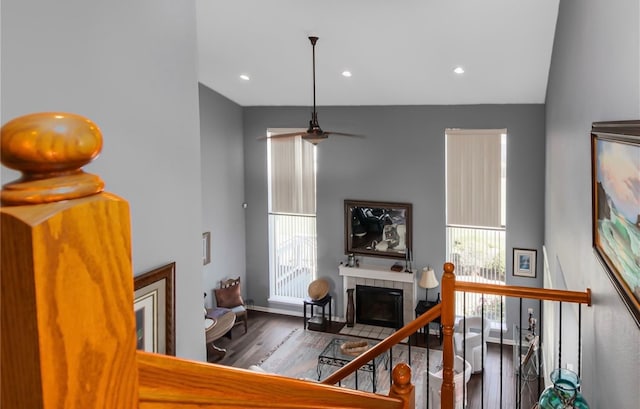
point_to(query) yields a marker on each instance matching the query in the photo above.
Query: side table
(422, 307)
(317, 323)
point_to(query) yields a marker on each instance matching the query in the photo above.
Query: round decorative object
(318, 289)
(354, 348)
(564, 392)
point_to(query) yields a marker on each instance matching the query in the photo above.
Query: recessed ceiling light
(459, 70)
(346, 74)
(244, 77)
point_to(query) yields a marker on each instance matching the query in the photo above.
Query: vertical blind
(292, 175)
(473, 166)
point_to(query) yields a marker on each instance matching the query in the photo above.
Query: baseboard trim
(285, 312)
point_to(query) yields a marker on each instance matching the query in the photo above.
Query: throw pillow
(228, 297)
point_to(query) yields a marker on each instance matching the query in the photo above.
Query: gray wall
(222, 188)
(400, 159)
(130, 67)
(594, 76)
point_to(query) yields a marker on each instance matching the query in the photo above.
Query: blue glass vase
(564, 392)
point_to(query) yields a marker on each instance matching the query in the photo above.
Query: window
(292, 217)
(476, 213)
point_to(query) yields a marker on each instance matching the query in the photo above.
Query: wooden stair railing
(66, 297)
(450, 286)
(446, 312)
(541, 294)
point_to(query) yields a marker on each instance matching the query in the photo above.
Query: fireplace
(379, 306)
(382, 276)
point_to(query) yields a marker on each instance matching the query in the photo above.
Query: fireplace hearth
(379, 306)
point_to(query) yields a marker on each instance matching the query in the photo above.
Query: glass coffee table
(332, 355)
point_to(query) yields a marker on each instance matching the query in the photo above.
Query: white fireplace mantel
(380, 276)
(377, 273)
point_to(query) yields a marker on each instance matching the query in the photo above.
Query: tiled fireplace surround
(380, 276)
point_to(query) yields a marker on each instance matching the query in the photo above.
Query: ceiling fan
(314, 133)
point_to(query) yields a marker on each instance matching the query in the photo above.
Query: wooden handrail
(544, 294)
(383, 346)
(204, 385)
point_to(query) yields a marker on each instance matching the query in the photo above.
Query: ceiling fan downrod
(313, 124)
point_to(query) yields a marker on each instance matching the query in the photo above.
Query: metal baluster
(482, 341)
(390, 366)
(560, 336)
(579, 340)
(519, 359)
(539, 326)
(501, 348)
(464, 348)
(428, 394)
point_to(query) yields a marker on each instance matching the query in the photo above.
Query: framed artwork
(524, 262)
(615, 174)
(206, 248)
(377, 229)
(153, 304)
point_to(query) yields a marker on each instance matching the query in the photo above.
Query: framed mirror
(378, 229)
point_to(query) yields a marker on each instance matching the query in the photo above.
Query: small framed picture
(524, 263)
(206, 248)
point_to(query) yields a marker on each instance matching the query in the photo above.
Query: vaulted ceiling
(400, 52)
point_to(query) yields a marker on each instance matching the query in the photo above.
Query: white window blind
(292, 221)
(292, 175)
(473, 166)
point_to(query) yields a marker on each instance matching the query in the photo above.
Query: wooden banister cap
(448, 268)
(50, 148)
(401, 374)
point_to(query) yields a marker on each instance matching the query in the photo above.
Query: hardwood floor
(266, 331)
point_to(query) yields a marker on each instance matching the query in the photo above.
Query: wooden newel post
(67, 329)
(448, 283)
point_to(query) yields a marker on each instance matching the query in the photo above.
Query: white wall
(594, 76)
(222, 189)
(130, 66)
(400, 159)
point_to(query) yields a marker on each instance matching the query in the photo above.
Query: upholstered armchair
(462, 375)
(229, 296)
(473, 342)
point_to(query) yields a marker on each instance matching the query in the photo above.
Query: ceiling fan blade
(284, 135)
(344, 134)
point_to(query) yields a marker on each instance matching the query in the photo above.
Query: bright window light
(346, 74)
(459, 70)
(244, 77)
